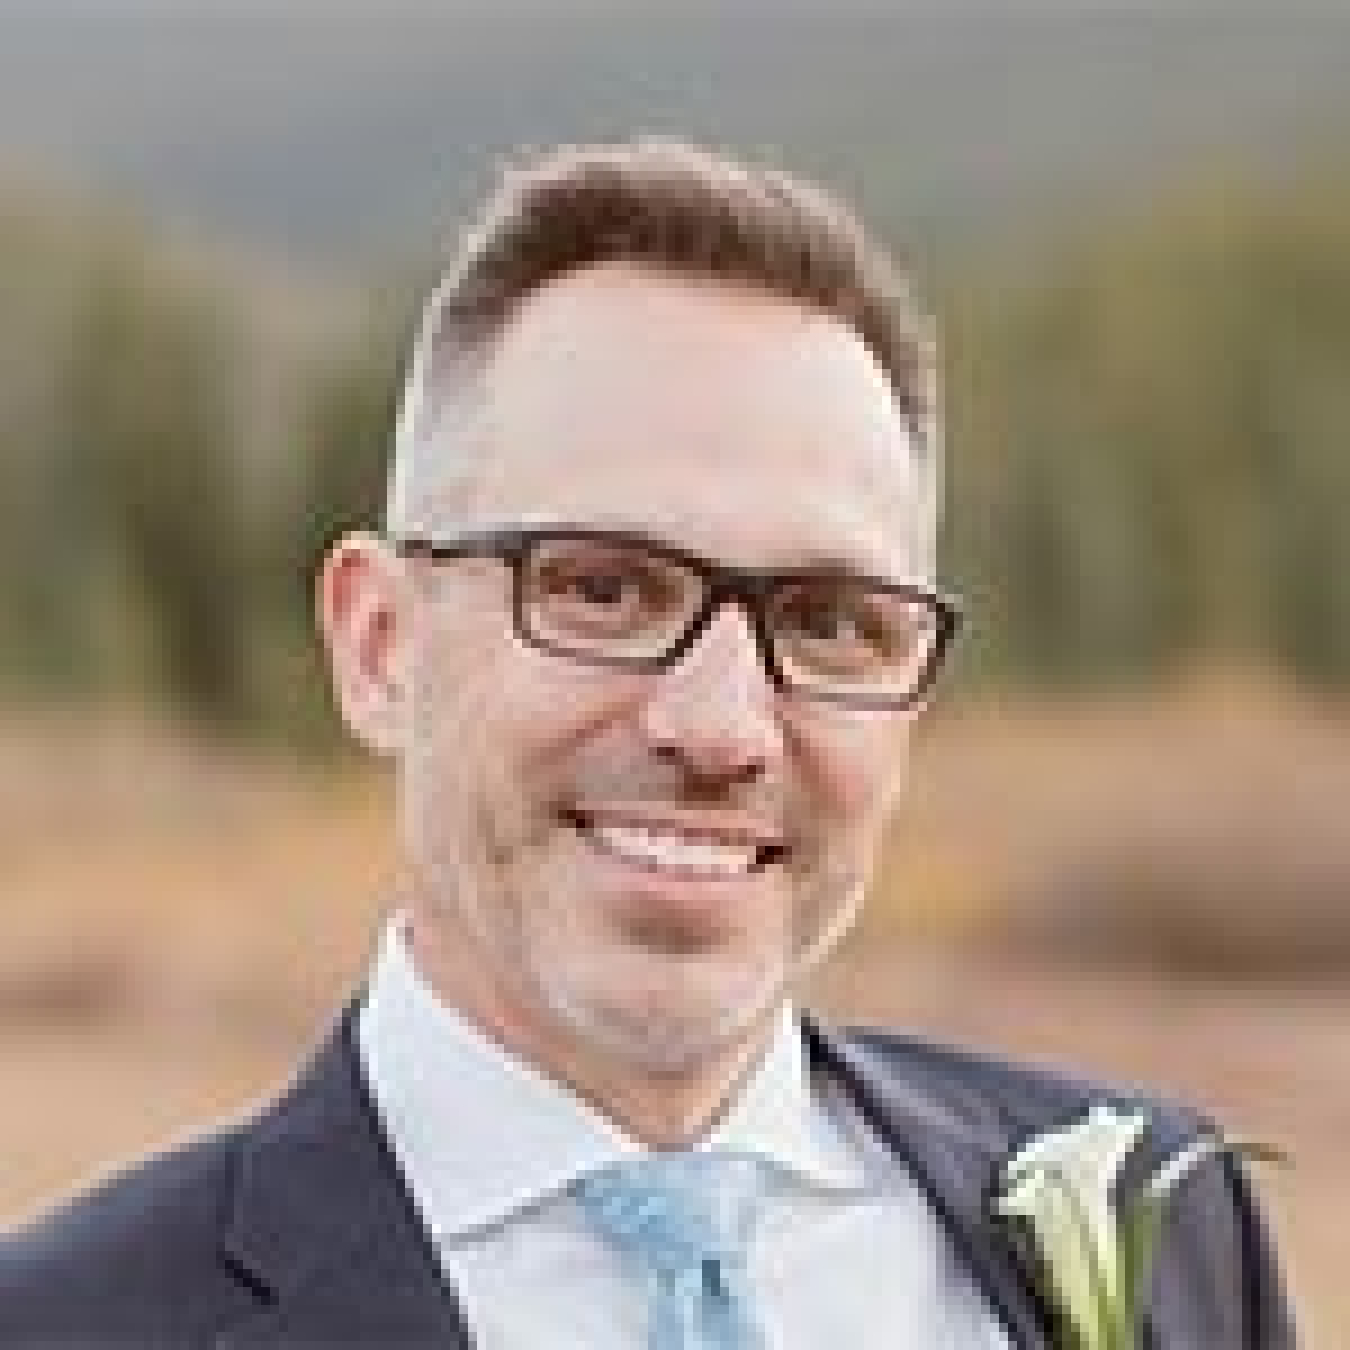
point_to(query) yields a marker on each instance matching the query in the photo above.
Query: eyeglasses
(616, 598)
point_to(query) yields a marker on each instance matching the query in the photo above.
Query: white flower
(1061, 1184)
(1097, 1263)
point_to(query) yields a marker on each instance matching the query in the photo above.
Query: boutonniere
(1093, 1254)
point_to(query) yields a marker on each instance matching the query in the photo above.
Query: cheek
(453, 747)
(548, 706)
(452, 716)
(507, 716)
(855, 764)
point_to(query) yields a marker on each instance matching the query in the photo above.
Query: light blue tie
(684, 1219)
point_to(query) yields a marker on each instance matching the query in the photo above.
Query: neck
(659, 1108)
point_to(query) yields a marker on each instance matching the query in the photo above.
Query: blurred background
(1126, 843)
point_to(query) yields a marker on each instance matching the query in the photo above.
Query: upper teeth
(665, 848)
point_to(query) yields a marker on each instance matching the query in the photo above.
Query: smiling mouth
(676, 851)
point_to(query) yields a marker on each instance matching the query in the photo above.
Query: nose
(713, 711)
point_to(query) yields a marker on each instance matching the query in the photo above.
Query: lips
(680, 844)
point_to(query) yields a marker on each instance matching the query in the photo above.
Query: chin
(671, 1025)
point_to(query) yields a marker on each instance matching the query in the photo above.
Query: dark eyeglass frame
(751, 588)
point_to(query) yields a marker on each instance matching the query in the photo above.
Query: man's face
(755, 433)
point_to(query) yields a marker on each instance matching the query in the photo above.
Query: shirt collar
(482, 1133)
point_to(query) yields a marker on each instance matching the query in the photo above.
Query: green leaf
(1141, 1232)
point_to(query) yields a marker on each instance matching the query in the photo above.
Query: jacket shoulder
(1217, 1267)
(134, 1256)
(1027, 1096)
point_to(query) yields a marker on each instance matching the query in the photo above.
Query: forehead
(717, 417)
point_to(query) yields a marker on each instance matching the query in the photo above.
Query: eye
(602, 591)
(825, 621)
(603, 588)
(601, 583)
(849, 627)
(829, 616)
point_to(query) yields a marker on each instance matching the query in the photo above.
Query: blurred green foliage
(1150, 442)
(1147, 425)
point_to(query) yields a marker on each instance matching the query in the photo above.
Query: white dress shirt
(847, 1252)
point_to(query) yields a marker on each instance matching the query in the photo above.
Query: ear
(364, 617)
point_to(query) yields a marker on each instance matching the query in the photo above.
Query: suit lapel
(953, 1144)
(322, 1226)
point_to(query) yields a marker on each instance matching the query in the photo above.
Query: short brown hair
(679, 208)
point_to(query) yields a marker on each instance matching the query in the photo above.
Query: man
(652, 623)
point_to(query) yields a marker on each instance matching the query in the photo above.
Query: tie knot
(675, 1212)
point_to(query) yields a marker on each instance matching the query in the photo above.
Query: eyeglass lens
(611, 600)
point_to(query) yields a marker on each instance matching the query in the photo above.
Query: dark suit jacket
(295, 1227)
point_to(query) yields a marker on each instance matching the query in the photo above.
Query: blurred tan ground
(177, 924)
